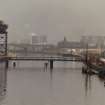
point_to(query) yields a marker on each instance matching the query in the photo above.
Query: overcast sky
(54, 18)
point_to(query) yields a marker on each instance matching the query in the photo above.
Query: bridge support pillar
(6, 63)
(51, 64)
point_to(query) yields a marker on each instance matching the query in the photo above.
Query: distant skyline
(53, 18)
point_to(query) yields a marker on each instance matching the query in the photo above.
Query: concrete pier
(6, 63)
(51, 64)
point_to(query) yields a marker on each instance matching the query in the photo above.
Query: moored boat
(96, 64)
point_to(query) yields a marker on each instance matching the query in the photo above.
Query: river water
(30, 84)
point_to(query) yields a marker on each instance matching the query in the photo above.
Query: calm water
(30, 84)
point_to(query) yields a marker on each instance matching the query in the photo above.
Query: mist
(54, 18)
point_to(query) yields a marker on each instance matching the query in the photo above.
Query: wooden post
(51, 64)
(6, 64)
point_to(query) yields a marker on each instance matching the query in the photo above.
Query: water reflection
(51, 74)
(3, 80)
(87, 83)
(58, 86)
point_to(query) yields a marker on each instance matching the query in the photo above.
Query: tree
(3, 27)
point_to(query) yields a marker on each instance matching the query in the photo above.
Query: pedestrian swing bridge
(50, 59)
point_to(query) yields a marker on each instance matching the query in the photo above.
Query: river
(30, 84)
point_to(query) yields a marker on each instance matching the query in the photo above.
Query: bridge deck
(46, 58)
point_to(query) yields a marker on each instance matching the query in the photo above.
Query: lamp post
(6, 49)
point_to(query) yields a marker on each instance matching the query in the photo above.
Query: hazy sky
(54, 18)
